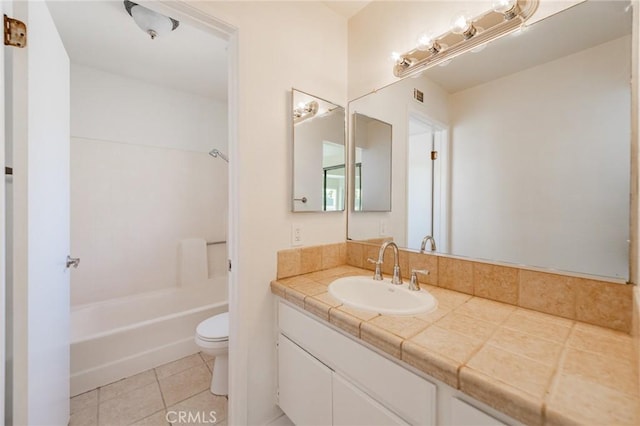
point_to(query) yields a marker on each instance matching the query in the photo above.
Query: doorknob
(73, 261)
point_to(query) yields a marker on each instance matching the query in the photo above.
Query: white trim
(238, 336)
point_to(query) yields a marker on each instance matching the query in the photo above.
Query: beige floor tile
(206, 357)
(87, 416)
(544, 351)
(127, 385)
(203, 409)
(182, 364)
(130, 407)
(185, 384)
(157, 419)
(84, 400)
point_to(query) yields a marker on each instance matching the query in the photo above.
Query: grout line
(164, 403)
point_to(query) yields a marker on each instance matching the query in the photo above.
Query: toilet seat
(214, 329)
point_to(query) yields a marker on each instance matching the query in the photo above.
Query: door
(304, 385)
(40, 119)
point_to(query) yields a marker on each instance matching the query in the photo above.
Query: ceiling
(346, 8)
(102, 35)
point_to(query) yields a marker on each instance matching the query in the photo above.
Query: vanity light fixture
(466, 33)
(152, 23)
(305, 110)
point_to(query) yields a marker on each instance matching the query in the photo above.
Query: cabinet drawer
(304, 385)
(406, 394)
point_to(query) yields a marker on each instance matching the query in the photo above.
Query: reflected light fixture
(462, 24)
(305, 110)
(152, 23)
(466, 33)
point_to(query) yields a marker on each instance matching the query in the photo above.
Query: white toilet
(212, 336)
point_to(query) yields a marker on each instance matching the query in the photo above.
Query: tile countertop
(534, 367)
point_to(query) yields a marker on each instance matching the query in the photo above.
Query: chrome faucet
(414, 285)
(397, 275)
(424, 243)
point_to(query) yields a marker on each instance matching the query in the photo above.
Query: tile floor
(180, 386)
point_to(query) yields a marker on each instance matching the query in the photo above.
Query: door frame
(442, 132)
(238, 336)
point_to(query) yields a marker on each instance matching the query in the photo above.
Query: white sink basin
(381, 296)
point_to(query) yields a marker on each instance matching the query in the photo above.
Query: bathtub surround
(141, 181)
(192, 262)
(534, 367)
(153, 396)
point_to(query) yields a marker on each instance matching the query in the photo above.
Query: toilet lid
(214, 328)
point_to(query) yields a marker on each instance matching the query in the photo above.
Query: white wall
(271, 60)
(519, 161)
(141, 180)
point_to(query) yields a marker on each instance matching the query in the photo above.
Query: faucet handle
(414, 284)
(370, 260)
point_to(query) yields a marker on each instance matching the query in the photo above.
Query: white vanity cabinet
(328, 378)
(318, 365)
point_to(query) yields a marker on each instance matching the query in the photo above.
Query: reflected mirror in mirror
(531, 140)
(319, 168)
(372, 164)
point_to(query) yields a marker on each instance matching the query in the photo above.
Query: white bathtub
(118, 338)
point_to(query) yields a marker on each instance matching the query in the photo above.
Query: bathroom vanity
(473, 361)
(327, 378)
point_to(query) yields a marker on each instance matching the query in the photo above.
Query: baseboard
(87, 380)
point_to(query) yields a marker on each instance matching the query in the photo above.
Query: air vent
(418, 95)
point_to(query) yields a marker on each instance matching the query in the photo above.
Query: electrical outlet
(296, 234)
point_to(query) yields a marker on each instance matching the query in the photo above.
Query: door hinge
(229, 265)
(434, 155)
(15, 32)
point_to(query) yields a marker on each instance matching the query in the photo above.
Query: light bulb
(424, 42)
(461, 24)
(427, 42)
(509, 8)
(395, 56)
(502, 6)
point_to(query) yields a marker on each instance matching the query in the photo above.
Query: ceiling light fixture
(152, 23)
(466, 33)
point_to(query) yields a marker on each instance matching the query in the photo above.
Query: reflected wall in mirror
(319, 167)
(533, 141)
(372, 164)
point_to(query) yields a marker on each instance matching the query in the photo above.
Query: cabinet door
(304, 385)
(463, 414)
(352, 407)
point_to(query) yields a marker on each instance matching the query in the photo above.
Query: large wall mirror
(319, 151)
(520, 152)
